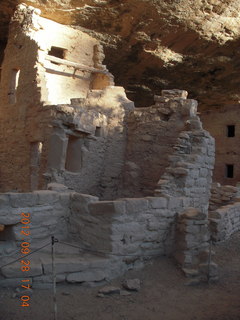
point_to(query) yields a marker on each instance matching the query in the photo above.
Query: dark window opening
(98, 132)
(229, 170)
(74, 154)
(231, 131)
(57, 52)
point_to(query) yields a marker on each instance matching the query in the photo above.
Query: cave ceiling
(152, 45)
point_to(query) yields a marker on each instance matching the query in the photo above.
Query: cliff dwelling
(108, 183)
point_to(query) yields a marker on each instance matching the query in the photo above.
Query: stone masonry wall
(225, 221)
(125, 231)
(130, 230)
(192, 249)
(99, 127)
(189, 177)
(152, 133)
(221, 196)
(37, 121)
(24, 89)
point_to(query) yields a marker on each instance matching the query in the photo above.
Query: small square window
(229, 170)
(57, 52)
(231, 131)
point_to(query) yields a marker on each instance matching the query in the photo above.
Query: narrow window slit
(229, 170)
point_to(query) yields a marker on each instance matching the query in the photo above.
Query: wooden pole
(75, 65)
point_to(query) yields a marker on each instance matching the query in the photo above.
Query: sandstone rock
(132, 284)
(175, 93)
(57, 187)
(86, 276)
(192, 213)
(125, 293)
(109, 290)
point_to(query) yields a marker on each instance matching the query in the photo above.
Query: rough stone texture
(83, 146)
(105, 149)
(125, 230)
(224, 221)
(154, 131)
(189, 174)
(192, 246)
(132, 284)
(222, 195)
(68, 116)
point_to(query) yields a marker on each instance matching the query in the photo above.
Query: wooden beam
(75, 65)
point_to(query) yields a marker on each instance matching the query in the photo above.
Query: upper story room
(49, 62)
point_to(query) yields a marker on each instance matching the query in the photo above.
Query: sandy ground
(163, 295)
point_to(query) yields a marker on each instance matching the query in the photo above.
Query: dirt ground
(163, 295)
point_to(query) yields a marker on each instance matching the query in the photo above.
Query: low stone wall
(47, 211)
(138, 227)
(113, 235)
(225, 221)
(108, 237)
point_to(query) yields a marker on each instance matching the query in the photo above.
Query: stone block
(48, 279)
(211, 269)
(157, 202)
(194, 229)
(174, 93)
(86, 276)
(192, 213)
(40, 233)
(189, 273)
(14, 270)
(45, 197)
(80, 202)
(65, 265)
(214, 215)
(64, 199)
(4, 200)
(175, 203)
(13, 282)
(178, 171)
(10, 218)
(189, 108)
(107, 209)
(132, 284)
(136, 205)
(21, 200)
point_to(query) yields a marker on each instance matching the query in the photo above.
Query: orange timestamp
(25, 250)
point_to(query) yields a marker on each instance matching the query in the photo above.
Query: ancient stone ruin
(115, 185)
